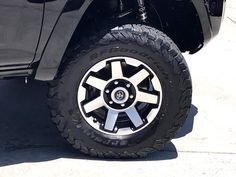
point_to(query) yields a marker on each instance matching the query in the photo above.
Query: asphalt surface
(206, 146)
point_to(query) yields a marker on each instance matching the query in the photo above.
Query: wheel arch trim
(52, 56)
(204, 19)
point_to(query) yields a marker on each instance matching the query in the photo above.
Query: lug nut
(110, 102)
(122, 105)
(116, 82)
(131, 96)
(128, 85)
(107, 91)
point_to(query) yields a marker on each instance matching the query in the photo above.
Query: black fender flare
(204, 19)
(56, 45)
(210, 15)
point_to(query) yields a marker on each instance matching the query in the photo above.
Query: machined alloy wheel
(123, 103)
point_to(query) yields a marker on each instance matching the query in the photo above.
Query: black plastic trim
(15, 73)
(60, 38)
(210, 22)
(13, 67)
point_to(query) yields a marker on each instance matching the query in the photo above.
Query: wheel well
(178, 19)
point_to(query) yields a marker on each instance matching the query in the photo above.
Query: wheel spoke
(94, 104)
(116, 69)
(111, 120)
(139, 77)
(147, 97)
(96, 82)
(134, 117)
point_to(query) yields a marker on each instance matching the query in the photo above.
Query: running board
(15, 73)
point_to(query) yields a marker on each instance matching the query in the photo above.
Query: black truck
(119, 86)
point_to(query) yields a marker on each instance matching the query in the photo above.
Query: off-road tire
(146, 44)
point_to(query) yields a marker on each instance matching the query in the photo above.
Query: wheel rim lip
(124, 131)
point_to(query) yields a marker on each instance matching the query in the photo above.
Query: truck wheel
(125, 96)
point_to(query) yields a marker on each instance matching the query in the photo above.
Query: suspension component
(121, 6)
(142, 11)
(123, 10)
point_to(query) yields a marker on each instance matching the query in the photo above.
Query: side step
(15, 71)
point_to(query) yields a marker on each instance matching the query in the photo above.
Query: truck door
(20, 25)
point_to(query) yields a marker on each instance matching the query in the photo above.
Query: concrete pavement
(206, 146)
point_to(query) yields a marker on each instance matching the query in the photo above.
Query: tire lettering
(103, 52)
(113, 50)
(133, 51)
(93, 56)
(123, 50)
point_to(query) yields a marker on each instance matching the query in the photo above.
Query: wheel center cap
(120, 95)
